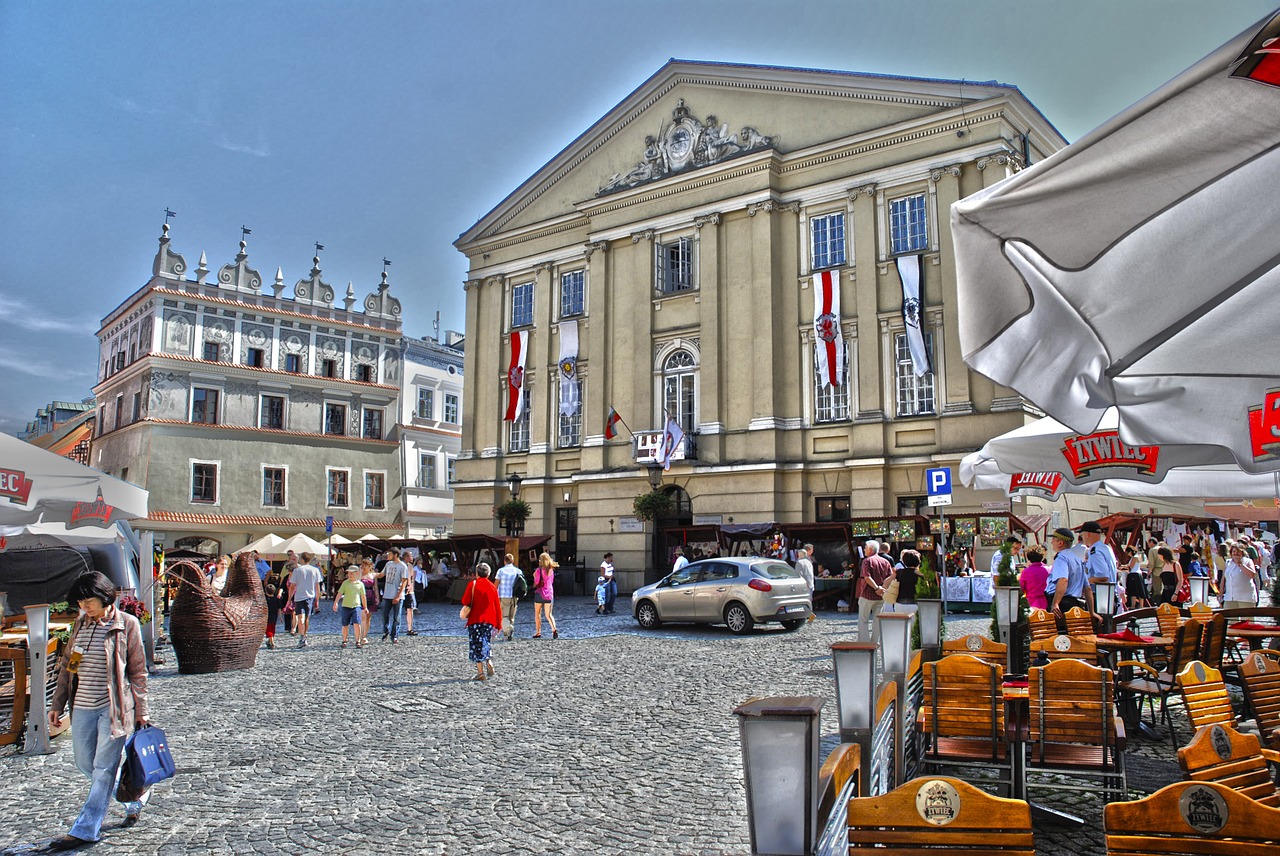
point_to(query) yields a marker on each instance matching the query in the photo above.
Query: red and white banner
(828, 340)
(515, 375)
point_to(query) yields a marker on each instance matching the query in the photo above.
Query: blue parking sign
(328, 525)
(938, 481)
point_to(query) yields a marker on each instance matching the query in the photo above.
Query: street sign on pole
(938, 481)
(328, 525)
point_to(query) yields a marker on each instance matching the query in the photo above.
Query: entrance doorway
(567, 536)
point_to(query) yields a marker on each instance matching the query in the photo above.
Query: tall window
(273, 486)
(335, 419)
(137, 406)
(570, 433)
(907, 225)
(572, 293)
(271, 412)
(426, 403)
(449, 471)
(522, 304)
(120, 411)
(674, 265)
(337, 495)
(831, 403)
(292, 363)
(374, 490)
(451, 408)
(915, 394)
(364, 373)
(211, 351)
(255, 357)
(679, 385)
(204, 405)
(427, 471)
(372, 424)
(828, 241)
(518, 431)
(329, 368)
(204, 482)
(831, 509)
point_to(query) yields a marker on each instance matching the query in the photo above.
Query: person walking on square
(395, 578)
(1239, 581)
(873, 576)
(602, 595)
(482, 612)
(418, 577)
(544, 595)
(511, 587)
(304, 590)
(680, 561)
(1034, 578)
(369, 579)
(1100, 564)
(607, 571)
(350, 599)
(1170, 576)
(104, 677)
(275, 603)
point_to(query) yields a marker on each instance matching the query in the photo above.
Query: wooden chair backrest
(1260, 674)
(1066, 648)
(1186, 645)
(13, 694)
(1071, 702)
(963, 698)
(1205, 695)
(1041, 624)
(1168, 618)
(932, 813)
(843, 764)
(976, 645)
(1219, 753)
(1192, 818)
(1079, 622)
(1200, 611)
(1213, 641)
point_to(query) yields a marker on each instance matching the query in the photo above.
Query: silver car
(739, 592)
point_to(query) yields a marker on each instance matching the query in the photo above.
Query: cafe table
(1256, 635)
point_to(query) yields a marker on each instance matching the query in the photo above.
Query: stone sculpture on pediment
(314, 290)
(685, 144)
(239, 276)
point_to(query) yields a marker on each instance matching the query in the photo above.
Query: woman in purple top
(544, 595)
(1034, 578)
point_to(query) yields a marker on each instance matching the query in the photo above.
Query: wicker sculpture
(212, 633)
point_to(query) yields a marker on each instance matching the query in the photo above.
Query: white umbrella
(339, 540)
(300, 544)
(39, 486)
(55, 534)
(264, 545)
(369, 536)
(1138, 267)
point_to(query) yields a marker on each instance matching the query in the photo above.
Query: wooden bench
(1078, 622)
(842, 766)
(1073, 727)
(1063, 647)
(932, 814)
(1219, 753)
(1192, 818)
(976, 645)
(1260, 674)
(962, 717)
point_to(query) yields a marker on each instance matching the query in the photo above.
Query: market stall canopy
(299, 543)
(1137, 268)
(264, 545)
(38, 486)
(339, 541)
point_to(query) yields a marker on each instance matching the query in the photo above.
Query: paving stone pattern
(607, 740)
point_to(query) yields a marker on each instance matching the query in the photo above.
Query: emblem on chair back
(1062, 643)
(1221, 742)
(938, 802)
(973, 642)
(1260, 663)
(1203, 809)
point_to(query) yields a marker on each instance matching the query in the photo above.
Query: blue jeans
(611, 594)
(391, 617)
(97, 755)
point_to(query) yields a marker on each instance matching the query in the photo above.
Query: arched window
(679, 389)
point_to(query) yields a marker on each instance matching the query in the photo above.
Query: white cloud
(15, 313)
(261, 150)
(38, 366)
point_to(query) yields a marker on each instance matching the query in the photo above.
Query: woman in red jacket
(483, 612)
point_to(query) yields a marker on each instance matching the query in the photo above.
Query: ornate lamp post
(513, 525)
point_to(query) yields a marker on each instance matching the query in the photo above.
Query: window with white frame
(204, 405)
(338, 492)
(522, 304)
(375, 485)
(915, 394)
(426, 403)
(673, 265)
(679, 389)
(335, 419)
(518, 431)
(449, 471)
(451, 408)
(372, 428)
(572, 293)
(831, 403)
(204, 481)
(271, 412)
(570, 428)
(273, 486)
(828, 240)
(427, 471)
(908, 225)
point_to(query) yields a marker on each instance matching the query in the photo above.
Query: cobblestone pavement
(607, 740)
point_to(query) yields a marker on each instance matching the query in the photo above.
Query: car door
(714, 590)
(676, 600)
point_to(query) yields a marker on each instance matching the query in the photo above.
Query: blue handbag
(147, 757)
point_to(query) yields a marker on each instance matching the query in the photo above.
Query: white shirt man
(804, 564)
(509, 581)
(681, 561)
(395, 579)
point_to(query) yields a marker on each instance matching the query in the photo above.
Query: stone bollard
(37, 734)
(780, 759)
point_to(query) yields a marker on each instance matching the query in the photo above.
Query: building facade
(431, 432)
(245, 412)
(65, 428)
(716, 276)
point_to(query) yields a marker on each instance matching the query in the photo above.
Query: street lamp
(1104, 601)
(513, 483)
(781, 756)
(655, 476)
(514, 525)
(1199, 590)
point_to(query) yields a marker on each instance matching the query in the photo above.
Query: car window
(719, 571)
(775, 570)
(684, 575)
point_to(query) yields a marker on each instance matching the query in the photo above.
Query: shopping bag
(147, 757)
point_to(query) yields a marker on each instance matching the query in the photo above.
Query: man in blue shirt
(1101, 562)
(263, 566)
(1065, 588)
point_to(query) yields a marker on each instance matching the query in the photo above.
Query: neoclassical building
(244, 411)
(729, 247)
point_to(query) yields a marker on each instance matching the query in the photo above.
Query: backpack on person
(520, 587)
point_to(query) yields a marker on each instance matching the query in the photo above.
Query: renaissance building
(246, 411)
(761, 255)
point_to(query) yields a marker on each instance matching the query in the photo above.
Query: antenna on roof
(436, 325)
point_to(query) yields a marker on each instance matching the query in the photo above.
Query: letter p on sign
(939, 484)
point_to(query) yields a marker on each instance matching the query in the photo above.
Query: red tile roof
(290, 523)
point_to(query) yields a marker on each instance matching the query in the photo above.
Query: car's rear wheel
(738, 619)
(647, 615)
(793, 624)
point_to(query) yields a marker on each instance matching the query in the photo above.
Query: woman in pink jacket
(104, 677)
(544, 595)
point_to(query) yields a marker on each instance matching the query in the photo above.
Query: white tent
(264, 545)
(39, 486)
(339, 540)
(1139, 267)
(299, 543)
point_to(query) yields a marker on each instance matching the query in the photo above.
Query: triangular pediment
(694, 116)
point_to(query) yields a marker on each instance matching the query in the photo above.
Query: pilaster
(868, 402)
(945, 183)
(712, 390)
(598, 390)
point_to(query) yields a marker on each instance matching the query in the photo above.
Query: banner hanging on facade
(828, 339)
(515, 375)
(909, 273)
(570, 389)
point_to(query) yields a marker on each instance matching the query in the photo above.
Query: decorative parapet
(238, 276)
(381, 304)
(314, 290)
(168, 264)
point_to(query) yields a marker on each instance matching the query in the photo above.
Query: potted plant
(652, 505)
(513, 513)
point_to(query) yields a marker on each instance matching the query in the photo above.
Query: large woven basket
(217, 633)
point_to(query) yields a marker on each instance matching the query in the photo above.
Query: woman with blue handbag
(104, 677)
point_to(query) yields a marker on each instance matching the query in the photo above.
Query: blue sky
(387, 127)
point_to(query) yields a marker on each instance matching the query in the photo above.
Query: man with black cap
(1100, 566)
(1065, 589)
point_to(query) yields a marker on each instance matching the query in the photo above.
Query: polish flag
(515, 375)
(828, 340)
